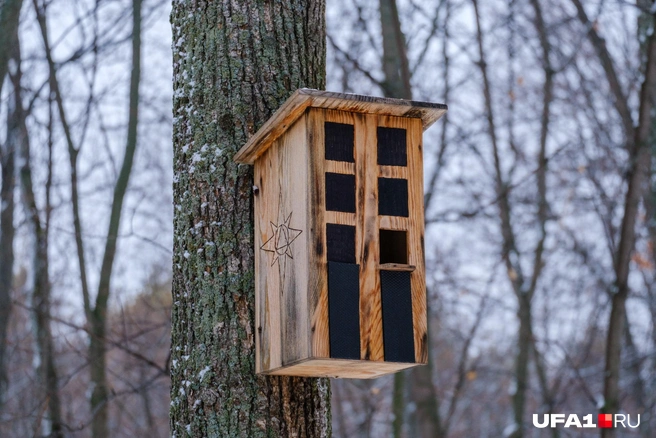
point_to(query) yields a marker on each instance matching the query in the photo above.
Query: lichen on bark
(234, 63)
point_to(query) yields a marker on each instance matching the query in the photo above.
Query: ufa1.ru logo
(604, 421)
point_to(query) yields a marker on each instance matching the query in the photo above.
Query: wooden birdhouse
(339, 235)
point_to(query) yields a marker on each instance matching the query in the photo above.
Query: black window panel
(392, 147)
(339, 141)
(344, 310)
(392, 197)
(398, 338)
(340, 192)
(340, 240)
(393, 246)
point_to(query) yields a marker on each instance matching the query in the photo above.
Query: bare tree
(96, 313)
(9, 14)
(40, 287)
(638, 170)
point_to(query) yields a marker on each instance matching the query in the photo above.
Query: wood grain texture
(341, 368)
(303, 98)
(394, 172)
(371, 319)
(396, 267)
(416, 235)
(339, 167)
(282, 251)
(318, 282)
(340, 217)
(394, 222)
(320, 217)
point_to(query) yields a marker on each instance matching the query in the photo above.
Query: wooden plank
(341, 368)
(318, 281)
(277, 124)
(340, 217)
(281, 251)
(320, 217)
(339, 167)
(371, 320)
(267, 303)
(396, 267)
(303, 98)
(393, 172)
(415, 229)
(394, 222)
(292, 248)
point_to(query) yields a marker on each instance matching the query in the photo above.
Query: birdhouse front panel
(374, 296)
(339, 232)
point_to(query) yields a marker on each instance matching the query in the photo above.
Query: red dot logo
(605, 421)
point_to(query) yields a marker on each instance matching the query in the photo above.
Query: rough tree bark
(234, 63)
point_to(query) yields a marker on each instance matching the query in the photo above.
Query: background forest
(540, 213)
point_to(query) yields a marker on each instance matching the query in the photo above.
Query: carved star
(280, 242)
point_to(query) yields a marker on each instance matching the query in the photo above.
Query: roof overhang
(304, 98)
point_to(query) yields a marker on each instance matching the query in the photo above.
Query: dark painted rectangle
(340, 192)
(392, 147)
(393, 246)
(339, 141)
(344, 310)
(340, 240)
(393, 197)
(398, 337)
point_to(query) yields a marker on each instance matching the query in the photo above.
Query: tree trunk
(46, 369)
(639, 156)
(234, 63)
(9, 13)
(7, 163)
(98, 322)
(524, 343)
(97, 314)
(395, 59)
(6, 255)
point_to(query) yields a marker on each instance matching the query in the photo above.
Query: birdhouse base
(340, 368)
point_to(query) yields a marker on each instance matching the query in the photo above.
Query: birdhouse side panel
(282, 251)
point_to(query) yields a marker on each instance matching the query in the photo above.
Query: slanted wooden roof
(304, 98)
